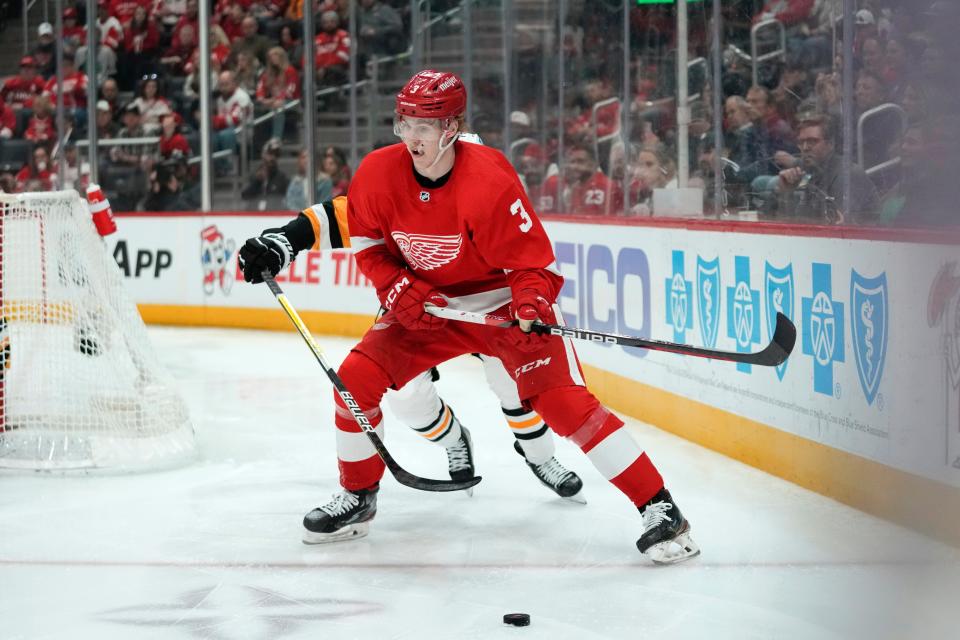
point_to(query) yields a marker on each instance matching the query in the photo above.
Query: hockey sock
(444, 429)
(575, 413)
(620, 459)
(360, 466)
(532, 433)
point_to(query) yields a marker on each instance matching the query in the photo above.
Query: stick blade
(430, 484)
(781, 345)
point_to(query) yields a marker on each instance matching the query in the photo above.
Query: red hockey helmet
(432, 94)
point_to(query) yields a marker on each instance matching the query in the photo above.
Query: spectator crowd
(147, 86)
(782, 132)
(782, 126)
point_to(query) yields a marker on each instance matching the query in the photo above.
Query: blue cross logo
(743, 310)
(822, 328)
(679, 297)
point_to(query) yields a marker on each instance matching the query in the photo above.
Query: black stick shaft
(774, 354)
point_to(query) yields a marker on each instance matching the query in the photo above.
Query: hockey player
(417, 404)
(435, 221)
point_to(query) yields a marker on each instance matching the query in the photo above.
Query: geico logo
(606, 290)
(532, 365)
(397, 288)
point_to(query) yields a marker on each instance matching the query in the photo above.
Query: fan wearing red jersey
(588, 190)
(20, 91)
(434, 220)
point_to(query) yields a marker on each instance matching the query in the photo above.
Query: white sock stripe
(354, 447)
(538, 450)
(416, 404)
(614, 454)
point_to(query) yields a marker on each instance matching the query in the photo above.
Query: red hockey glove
(529, 305)
(406, 297)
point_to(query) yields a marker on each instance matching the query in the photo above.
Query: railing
(152, 140)
(756, 58)
(25, 19)
(516, 144)
(595, 110)
(121, 142)
(693, 64)
(417, 51)
(867, 115)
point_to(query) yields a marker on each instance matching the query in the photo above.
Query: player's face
(422, 137)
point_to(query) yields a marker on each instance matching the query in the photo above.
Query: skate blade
(349, 532)
(578, 498)
(673, 551)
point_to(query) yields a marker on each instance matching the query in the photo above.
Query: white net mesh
(80, 385)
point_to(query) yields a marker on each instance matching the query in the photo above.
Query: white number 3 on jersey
(525, 222)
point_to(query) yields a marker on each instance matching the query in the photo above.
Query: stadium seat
(15, 150)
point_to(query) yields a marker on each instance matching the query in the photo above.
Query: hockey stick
(784, 337)
(403, 476)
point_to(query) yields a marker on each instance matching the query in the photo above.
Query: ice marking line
(253, 564)
(198, 603)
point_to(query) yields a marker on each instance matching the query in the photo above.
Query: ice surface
(212, 550)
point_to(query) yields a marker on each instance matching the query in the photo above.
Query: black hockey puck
(517, 619)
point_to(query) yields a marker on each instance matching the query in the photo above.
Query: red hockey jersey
(597, 196)
(123, 10)
(286, 86)
(332, 49)
(472, 239)
(176, 142)
(8, 120)
(74, 90)
(40, 129)
(544, 195)
(18, 92)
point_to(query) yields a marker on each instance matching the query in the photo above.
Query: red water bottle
(100, 211)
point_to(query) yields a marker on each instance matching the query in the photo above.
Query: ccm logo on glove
(406, 298)
(395, 291)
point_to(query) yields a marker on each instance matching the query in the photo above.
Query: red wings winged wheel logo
(426, 252)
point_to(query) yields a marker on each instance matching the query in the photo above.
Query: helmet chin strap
(443, 148)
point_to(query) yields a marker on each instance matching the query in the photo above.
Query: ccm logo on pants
(531, 366)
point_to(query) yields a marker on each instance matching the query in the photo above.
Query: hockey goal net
(80, 385)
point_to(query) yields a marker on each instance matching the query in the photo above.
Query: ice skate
(556, 477)
(460, 459)
(666, 533)
(346, 517)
